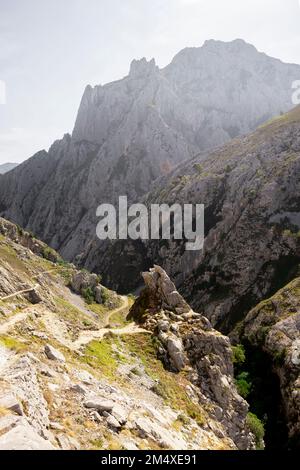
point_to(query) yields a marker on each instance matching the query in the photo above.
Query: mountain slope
(250, 188)
(78, 375)
(132, 131)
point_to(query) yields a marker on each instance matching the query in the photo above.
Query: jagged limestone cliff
(132, 131)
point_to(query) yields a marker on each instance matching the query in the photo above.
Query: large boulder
(23, 437)
(99, 404)
(83, 280)
(188, 341)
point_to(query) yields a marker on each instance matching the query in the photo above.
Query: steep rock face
(188, 341)
(250, 189)
(227, 89)
(130, 132)
(274, 327)
(7, 167)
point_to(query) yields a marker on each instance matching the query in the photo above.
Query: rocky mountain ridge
(130, 132)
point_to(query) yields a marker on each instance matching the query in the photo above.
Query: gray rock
(22, 376)
(56, 426)
(79, 389)
(10, 402)
(24, 437)
(8, 422)
(113, 422)
(129, 444)
(54, 354)
(98, 295)
(296, 352)
(176, 353)
(67, 442)
(96, 417)
(120, 413)
(83, 280)
(35, 296)
(99, 403)
(39, 334)
(163, 325)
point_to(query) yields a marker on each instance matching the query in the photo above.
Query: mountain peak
(142, 68)
(237, 47)
(237, 44)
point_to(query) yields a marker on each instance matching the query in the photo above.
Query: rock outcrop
(274, 327)
(188, 341)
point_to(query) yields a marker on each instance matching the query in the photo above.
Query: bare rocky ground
(75, 375)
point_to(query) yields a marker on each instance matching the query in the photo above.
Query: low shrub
(238, 354)
(257, 428)
(243, 384)
(88, 295)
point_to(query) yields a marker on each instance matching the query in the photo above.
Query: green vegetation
(257, 428)
(49, 254)
(104, 356)
(105, 295)
(88, 295)
(11, 343)
(239, 355)
(279, 357)
(31, 235)
(246, 383)
(289, 234)
(66, 273)
(97, 444)
(286, 301)
(160, 389)
(8, 254)
(136, 371)
(75, 317)
(19, 230)
(183, 419)
(118, 319)
(132, 297)
(198, 167)
(243, 384)
(61, 262)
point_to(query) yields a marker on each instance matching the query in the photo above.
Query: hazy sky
(51, 49)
